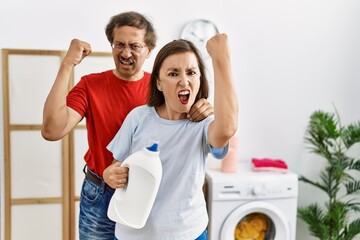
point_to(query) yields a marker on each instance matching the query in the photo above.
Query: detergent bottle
(131, 206)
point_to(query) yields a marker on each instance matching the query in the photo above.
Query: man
(104, 99)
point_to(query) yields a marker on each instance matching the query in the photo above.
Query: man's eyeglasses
(133, 47)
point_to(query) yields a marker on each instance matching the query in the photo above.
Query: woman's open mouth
(184, 96)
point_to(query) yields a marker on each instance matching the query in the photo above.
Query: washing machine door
(249, 219)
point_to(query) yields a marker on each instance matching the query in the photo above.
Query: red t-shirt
(105, 100)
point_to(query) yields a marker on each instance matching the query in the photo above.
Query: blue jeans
(93, 221)
(203, 236)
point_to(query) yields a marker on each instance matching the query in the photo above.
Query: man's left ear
(149, 53)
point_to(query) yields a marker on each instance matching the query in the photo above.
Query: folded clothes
(267, 164)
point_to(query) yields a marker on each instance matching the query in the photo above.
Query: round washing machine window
(255, 220)
(257, 226)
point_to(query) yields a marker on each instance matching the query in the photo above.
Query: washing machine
(251, 205)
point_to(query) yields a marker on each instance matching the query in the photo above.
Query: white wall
(289, 58)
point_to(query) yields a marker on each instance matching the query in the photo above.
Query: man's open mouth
(128, 61)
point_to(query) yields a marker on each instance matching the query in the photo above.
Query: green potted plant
(338, 217)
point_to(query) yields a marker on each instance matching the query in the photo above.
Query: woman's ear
(158, 85)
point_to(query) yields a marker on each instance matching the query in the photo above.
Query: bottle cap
(153, 148)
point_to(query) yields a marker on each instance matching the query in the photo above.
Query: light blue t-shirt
(179, 211)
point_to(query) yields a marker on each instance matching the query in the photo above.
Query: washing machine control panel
(258, 186)
(265, 190)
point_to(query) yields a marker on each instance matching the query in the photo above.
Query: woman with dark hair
(178, 80)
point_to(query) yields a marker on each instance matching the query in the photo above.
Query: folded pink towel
(267, 164)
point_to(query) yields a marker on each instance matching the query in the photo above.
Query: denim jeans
(93, 221)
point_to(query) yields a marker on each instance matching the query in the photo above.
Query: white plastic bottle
(131, 206)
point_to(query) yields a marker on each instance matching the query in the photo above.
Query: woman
(178, 80)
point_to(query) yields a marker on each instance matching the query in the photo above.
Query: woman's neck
(166, 113)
